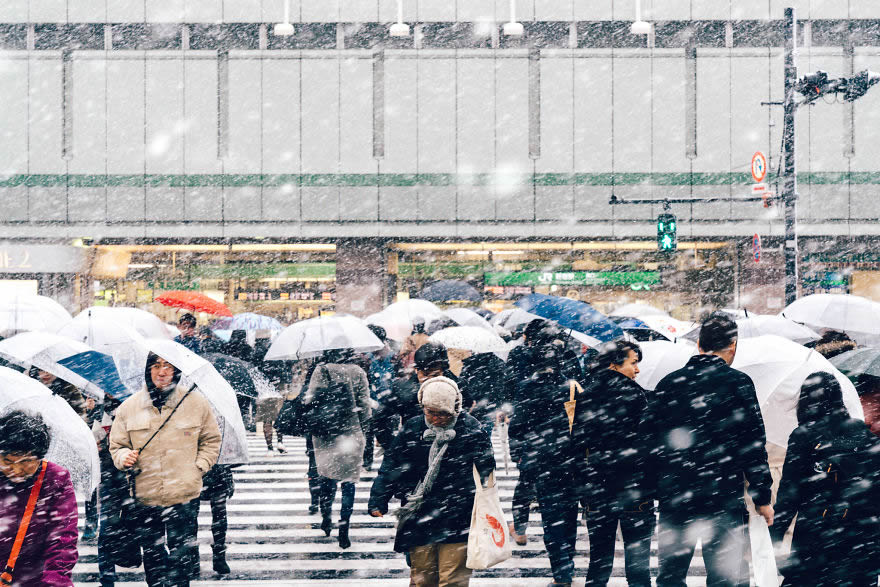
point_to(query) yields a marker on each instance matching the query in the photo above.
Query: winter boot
(326, 525)
(315, 491)
(344, 542)
(220, 566)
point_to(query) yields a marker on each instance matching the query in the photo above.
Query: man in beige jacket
(169, 470)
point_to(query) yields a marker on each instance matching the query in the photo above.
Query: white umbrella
(638, 311)
(310, 338)
(858, 317)
(198, 371)
(72, 445)
(667, 326)
(122, 342)
(24, 313)
(472, 338)
(779, 367)
(467, 317)
(659, 359)
(146, 324)
(499, 318)
(759, 325)
(43, 350)
(519, 316)
(397, 319)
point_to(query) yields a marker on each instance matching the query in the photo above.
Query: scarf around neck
(440, 437)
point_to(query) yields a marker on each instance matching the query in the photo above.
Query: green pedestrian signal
(667, 239)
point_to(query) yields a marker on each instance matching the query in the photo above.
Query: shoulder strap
(149, 440)
(6, 576)
(574, 387)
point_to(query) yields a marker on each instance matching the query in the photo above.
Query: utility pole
(789, 162)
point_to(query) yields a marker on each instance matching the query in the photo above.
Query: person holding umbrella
(704, 432)
(337, 403)
(37, 503)
(188, 336)
(166, 437)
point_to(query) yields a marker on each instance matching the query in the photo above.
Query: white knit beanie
(441, 394)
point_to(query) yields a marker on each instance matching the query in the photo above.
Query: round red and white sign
(759, 167)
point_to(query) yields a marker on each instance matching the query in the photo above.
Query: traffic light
(667, 239)
(858, 85)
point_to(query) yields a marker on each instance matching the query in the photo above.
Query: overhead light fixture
(640, 27)
(399, 28)
(513, 28)
(140, 265)
(284, 29)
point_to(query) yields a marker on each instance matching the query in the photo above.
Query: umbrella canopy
(637, 311)
(146, 324)
(249, 322)
(857, 362)
(25, 313)
(99, 369)
(194, 301)
(572, 314)
(472, 338)
(778, 367)
(397, 319)
(72, 445)
(240, 375)
(659, 359)
(310, 338)
(858, 317)
(44, 350)
(122, 342)
(466, 317)
(449, 290)
(669, 327)
(515, 317)
(198, 371)
(760, 324)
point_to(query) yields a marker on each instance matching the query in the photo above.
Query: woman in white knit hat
(430, 463)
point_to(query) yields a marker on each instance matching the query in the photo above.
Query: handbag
(488, 543)
(573, 387)
(6, 576)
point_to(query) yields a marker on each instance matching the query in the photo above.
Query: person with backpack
(37, 508)
(831, 481)
(337, 404)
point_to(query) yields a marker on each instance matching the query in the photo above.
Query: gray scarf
(441, 438)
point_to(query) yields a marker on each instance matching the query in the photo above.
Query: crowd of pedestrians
(680, 462)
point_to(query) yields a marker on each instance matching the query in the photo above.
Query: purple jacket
(48, 554)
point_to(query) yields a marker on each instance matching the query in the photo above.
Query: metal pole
(789, 173)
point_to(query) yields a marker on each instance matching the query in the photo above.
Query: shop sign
(268, 295)
(31, 258)
(589, 278)
(174, 285)
(826, 280)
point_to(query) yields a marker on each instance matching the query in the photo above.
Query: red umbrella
(195, 301)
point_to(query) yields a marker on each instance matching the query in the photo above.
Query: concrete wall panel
(320, 10)
(437, 203)
(204, 203)
(245, 122)
(512, 116)
(554, 203)
(242, 203)
(359, 203)
(666, 143)
(632, 114)
(476, 116)
(87, 204)
(591, 203)
(399, 203)
(205, 11)
(164, 10)
(749, 87)
(866, 118)
(281, 116)
(281, 202)
(826, 121)
(713, 115)
(476, 202)
(557, 116)
(14, 11)
(356, 116)
(554, 9)
(320, 203)
(436, 10)
(48, 204)
(200, 103)
(401, 119)
(125, 204)
(592, 114)
(165, 204)
(13, 116)
(89, 111)
(437, 89)
(125, 116)
(45, 121)
(241, 10)
(86, 10)
(126, 10)
(14, 203)
(165, 119)
(320, 116)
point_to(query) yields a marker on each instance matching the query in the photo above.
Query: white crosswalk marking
(273, 540)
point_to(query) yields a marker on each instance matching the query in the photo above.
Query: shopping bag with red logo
(488, 543)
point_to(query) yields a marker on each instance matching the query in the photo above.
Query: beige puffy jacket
(172, 465)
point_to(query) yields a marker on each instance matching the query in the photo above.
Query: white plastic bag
(488, 543)
(763, 559)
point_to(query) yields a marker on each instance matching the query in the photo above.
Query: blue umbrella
(572, 314)
(100, 369)
(627, 323)
(247, 321)
(447, 290)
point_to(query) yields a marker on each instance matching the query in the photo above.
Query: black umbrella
(235, 371)
(448, 290)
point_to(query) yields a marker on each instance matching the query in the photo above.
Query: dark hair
(378, 331)
(615, 353)
(430, 356)
(418, 325)
(821, 397)
(188, 319)
(530, 331)
(717, 332)
(152, 358)
(22, 434)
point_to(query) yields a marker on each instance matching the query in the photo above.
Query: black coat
(704, 429)
(539, 435)
(445, 516)
(607, 420)
(482, 381)
(831, 480)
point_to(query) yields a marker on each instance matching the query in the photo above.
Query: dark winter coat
(704, 427)
(831, 480)
(49, 553)
(482, 381)
(445, 516)
(607, 420)
(540, 440)
(193, 343)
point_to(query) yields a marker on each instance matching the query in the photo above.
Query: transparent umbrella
(857, 316)
(472, 338)
(397, 319)
(466, 317)
(146, 324)
(24, 313)
(310, 338)
(72, 445)
(660, 358)
(198, 371)
(637, 311)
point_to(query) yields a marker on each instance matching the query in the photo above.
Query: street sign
(756, 248)
(759, 167)
(759, 188)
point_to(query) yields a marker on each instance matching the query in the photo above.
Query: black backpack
(329, 413)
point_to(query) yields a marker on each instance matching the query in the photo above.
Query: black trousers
(523, 496)
(637, 528)
(559, 515)
(172, 526)
(328, 496)
(725, 540)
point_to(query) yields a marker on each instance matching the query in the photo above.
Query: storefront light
(140, 265)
